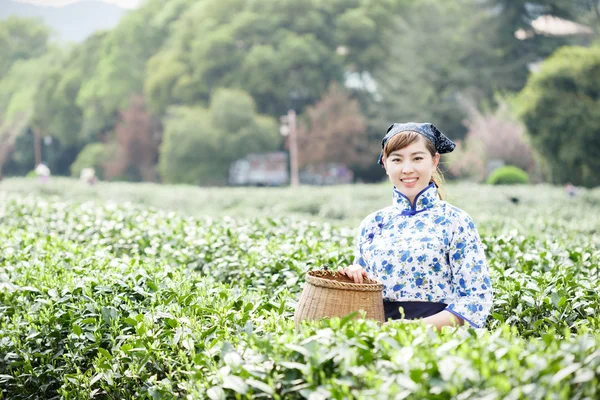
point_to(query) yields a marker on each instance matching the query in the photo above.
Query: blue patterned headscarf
(440, 141)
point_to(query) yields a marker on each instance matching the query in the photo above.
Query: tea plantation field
(160, 294)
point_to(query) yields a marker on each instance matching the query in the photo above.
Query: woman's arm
(443, 318)
(472, 295)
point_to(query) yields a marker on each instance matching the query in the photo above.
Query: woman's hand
(354, 272)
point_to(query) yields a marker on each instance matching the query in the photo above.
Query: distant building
(266, 169)
(550, 25)
(271, 169)
(326, 174)
(553, 26)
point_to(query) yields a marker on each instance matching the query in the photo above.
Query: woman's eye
(418, 158)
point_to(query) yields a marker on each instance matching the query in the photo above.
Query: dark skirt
(412, 309)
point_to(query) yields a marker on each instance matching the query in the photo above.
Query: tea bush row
(125, 301)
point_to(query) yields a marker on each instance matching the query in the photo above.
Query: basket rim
(327, 283)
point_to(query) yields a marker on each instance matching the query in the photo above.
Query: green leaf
(95, 379)
(294, 365)
(498, 317)
(302, 350)
(216, 393)
(563, 373)
(584, 375)
(105, 353)
(347, 318)
(260, 386)
(173, 323)
(235, 383)
(529, 300)
(109, 314)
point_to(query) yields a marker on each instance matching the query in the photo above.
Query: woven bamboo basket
(327, 295)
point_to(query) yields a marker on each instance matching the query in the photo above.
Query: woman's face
(410, 169)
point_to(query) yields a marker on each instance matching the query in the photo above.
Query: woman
(426, 252)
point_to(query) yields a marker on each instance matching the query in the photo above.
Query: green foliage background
(560, 106)
(402, 60)
(508, 175)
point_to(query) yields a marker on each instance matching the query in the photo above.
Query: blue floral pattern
(427, 252)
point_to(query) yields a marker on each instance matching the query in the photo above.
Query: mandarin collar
(425, 200)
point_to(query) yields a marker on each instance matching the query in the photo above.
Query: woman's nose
(407, 168)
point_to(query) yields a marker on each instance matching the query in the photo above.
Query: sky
(60, 3)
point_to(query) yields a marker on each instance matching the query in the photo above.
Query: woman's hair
(406, 138)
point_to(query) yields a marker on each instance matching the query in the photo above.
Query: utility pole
(289, 128)
(37, 147)
(294, 181)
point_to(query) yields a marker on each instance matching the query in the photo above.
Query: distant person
(43, 172)
(88, 175)
(570, 190)
(426, 252)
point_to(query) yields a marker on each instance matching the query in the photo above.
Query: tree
(588, 13)
(333, 131)
(21, 39)
(511, 17)
(79, 103)
(56, 108)
(491, 136)
(200, 144)
(135, 150)
(17, 100)
(93, 156)
(9, 131)
(444, 51)
(439, 52)
(276, 50)
(121, 68)
(561, 108)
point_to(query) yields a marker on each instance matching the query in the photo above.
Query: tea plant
(105, 300)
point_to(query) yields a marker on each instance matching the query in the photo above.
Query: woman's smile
(409, 182)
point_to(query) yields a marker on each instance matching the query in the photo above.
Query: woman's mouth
(409, 182)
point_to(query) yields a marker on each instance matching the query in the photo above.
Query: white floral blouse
(431, 252)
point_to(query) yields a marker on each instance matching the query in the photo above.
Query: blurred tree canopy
(561, 107)
(57, 109)
(91, 156)
(133, 152)
(444, 51)
(333, 131)
(199, 144)
(433, 61)
(21, 39)
(25, 59)
(511, 16)
(276, 50)
(395, 60)
(121, 68)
